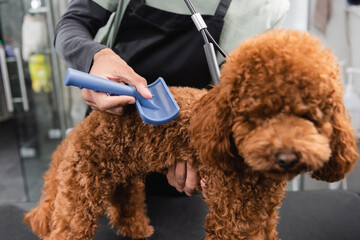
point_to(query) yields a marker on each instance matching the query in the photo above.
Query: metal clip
(199, 21)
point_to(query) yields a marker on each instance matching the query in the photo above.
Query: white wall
(298, 15)
(342, 27)
(336, 32)
(354, 35)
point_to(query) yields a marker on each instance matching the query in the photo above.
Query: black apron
(157, 43)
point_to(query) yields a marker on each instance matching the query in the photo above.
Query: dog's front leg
(225, 222)
(272, 222)
(240, 208)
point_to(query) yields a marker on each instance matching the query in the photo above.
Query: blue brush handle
(84, 80)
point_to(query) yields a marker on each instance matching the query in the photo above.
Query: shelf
(10, 59)
(38, 10)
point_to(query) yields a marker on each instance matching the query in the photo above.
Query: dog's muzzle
(284, 143)
(287, 159)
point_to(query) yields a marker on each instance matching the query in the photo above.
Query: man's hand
(107, 64)
(184, 177)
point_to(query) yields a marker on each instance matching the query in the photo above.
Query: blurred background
(36, 109)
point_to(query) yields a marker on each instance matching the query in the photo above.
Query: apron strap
(114, 27)
(222, 8)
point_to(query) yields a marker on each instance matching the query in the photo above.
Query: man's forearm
(75, 33)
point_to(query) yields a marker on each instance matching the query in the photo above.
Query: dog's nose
(286, 159)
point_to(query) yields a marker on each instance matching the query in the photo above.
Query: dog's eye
(307, 117)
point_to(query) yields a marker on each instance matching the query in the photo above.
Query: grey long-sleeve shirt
(75, 33)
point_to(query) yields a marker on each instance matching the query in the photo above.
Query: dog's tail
(39, 218)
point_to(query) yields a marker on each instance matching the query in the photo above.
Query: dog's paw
(136, 230)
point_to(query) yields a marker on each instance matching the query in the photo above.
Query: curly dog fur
(277, 112)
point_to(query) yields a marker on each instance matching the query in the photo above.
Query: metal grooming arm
(208, 46)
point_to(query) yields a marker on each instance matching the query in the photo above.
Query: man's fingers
(92, 107)
(191, 180)
(140, 84)
(171, 176)
(104, 102)
(180, 175)
(144, 91)
(204, 188)
(107, 102)
(132, 78)
(117, 111)
(184, 177)
(86, 96)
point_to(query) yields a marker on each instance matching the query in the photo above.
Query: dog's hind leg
(127, 210)
(80, 202)
(74, 219)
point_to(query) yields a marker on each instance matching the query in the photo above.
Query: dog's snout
(287, 159)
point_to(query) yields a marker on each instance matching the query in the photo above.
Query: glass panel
(32, 70)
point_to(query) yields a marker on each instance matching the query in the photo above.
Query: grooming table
(318, 215)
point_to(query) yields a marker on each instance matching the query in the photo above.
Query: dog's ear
(210, 127)
(343, 146)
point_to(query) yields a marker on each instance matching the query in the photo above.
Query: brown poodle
(277, 112)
